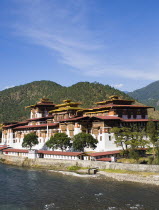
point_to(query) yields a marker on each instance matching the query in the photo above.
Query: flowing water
(32, 189)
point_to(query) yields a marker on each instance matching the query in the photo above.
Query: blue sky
(113, 42)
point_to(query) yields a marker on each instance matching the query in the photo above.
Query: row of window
(60, 156)
(109, 137)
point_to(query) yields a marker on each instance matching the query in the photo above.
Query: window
(110, 138)
(129, 116)
(108, 130)
(134, 116)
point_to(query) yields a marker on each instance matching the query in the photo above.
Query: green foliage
(82, 140)
(131, 137)
(59, 140)
(124, 153)
(122, 136)
(150, 160)
(13, 100)
(153, 160)
(30, 140)
(156, 160)
(134, 155)
(153, 135)
(73, 168)
(152, 132)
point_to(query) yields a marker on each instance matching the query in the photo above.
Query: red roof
(60, 153)
(9, 126)
(23, 122)
(40, 118)
(96, 154)
(45, 152)
(142, 149)
(73, 119)
(104, 159)
(16, 150)
(15, 124)
(138, 120)
(108, 117)
(118, 105)
(122, 119)
(36, 126)
(104, 153)
(3, 147)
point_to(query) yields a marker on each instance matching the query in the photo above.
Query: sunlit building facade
(47, 118)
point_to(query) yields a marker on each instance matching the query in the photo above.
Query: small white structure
(32, 154)
(61, 155)
(15, 152)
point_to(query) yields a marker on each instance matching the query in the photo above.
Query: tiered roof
(66, 106)
(43, 102)
(115, 100)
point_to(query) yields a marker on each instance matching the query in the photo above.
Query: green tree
(59, 140)
(82, 140)
(122, 136)
(30, 140)
(129, 139)
(0, 135)
(134, 154)
(137, 140)
(152, 133)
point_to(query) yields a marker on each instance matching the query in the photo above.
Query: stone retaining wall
(63, 164)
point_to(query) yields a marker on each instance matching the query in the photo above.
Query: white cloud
(7, 87)
(63, 28)
(117, 85)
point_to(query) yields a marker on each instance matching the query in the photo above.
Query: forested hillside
(13, 100)
(148, 95)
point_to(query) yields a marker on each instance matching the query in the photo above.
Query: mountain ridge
(13, 100)
(148, 95)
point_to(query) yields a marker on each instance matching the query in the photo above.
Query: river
(22, 189)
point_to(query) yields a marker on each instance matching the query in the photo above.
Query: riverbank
(144, 178)
(152, 179)
(147, 174)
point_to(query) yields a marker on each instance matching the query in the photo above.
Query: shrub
(150, 160)
(134, 154)
(73, 168)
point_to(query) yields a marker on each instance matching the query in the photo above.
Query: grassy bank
(129, 172)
